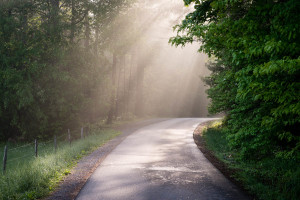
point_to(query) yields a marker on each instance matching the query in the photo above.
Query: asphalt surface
(159, 161)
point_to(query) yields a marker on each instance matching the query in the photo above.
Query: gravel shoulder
(72, 184)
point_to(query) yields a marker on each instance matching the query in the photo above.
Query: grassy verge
(28, 177)
(268, 178)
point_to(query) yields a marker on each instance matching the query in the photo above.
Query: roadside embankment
(267, 178)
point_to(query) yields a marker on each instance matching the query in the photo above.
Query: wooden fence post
(55, 144)
(4, 159)
(69, 136)
(36, 147)
(81, 132)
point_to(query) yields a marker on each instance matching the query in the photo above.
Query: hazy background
(68, 63)
(172, 86)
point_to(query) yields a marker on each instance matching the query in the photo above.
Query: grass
(269, 178)
(28, 177)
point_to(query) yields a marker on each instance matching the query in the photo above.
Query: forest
(70, 63)
(49, 56)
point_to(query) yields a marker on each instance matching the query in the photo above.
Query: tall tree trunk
(139, 107)
(73, 11)
(113, 92)
(87, 30)
(124, 87)
(130, 84)
(118, 91)
(96, 37)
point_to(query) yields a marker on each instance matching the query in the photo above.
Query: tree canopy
(254, 46)
(52, 64)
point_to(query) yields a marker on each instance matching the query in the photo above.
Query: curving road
(159, 162)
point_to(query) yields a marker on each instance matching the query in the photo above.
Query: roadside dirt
(221, 166)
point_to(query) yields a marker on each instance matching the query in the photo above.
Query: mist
(170, 83)
(73, 63)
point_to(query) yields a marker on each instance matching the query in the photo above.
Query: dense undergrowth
(34, 178)
(268, 178)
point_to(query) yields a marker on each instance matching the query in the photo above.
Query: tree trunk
(118, 92)
(72, 33)
(113, 92)
(96, 37)
(139, 89)
(129, 92)
(87, 30)
(124, 87)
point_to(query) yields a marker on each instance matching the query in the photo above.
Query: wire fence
(14, 155)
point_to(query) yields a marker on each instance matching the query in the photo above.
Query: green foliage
(216, 141)
(269, 178)
(50, 76)
(255, 74)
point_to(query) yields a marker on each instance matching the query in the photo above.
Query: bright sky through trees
(172, 78)
(71, 62)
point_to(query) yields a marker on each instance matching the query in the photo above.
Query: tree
(50, 79)
(254, 75)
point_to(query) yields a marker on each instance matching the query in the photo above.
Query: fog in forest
(68, 63)
(170, 79)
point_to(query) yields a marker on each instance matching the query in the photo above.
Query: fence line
(37, 144)
(32, 143)
(47, 142)
(21, 146)
(13, 159)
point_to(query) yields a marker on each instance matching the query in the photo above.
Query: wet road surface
(159, 161)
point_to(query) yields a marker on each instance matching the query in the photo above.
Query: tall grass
(32, 178)
(268, 178)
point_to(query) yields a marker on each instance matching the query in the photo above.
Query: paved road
(159, 162)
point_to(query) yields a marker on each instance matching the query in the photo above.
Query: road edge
(209, 155)
(71, 185)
